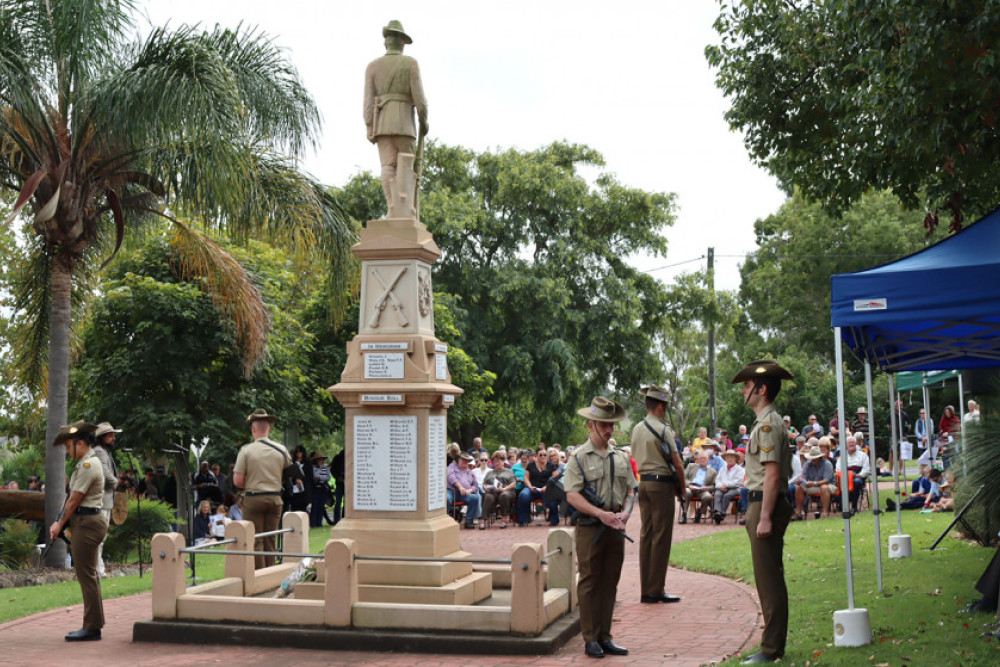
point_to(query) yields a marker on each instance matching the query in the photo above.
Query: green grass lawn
(20, 602)
(914, 620)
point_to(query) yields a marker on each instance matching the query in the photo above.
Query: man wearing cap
(320, 489)
(660, 478)
(728, 483)
(816, 480)
(259, 465)
(207, 484)
(715, 462)
(860, 422)
(105, 442)
(700, 484)
(392, 91)
(600, 486)
(462, 486)
(768, 466)
(82, 513)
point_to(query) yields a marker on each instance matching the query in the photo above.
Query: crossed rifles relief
(388, 296)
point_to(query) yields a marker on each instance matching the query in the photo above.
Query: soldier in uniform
(768, 467)
(392, 90)
(105, 436)
(258, 470)
(661, 475)
(600, 485)
(82, 513)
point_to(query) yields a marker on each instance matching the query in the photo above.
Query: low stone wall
(538, 595)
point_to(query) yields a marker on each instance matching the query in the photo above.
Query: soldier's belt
(381, 100)
(88, 510)
(263, 493)
(755, 496)
(670, 479)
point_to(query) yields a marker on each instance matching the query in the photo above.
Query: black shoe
(743, 521)
(757, 658)
(84, 636)
(612, 648)
(662, 597)
(683, 519)
(593, 649)
(980, 606)
(697, 518)
(718, 517)
(890, 505)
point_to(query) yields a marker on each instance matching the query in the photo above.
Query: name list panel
(385, 463)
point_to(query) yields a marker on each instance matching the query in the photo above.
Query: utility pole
(710, 325)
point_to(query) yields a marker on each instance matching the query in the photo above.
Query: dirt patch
(39, 576)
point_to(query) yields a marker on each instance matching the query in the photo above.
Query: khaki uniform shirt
(596, 466)
(392, 90)
(261, 466)
(768, 443)
(646, 448)
(88, 479)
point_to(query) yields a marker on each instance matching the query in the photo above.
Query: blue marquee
(938, 308)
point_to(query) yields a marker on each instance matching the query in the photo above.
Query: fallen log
(27, 505)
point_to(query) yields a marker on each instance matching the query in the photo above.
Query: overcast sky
(627, 78)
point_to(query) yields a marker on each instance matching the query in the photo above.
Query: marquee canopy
(935, 309)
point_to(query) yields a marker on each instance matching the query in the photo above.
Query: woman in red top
(950, 422)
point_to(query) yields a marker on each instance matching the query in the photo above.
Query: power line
(748, 254)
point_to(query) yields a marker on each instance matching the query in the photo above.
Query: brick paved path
(686, 633)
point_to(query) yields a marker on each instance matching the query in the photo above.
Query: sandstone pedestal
(396, 390)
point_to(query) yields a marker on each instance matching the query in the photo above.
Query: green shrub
(17, 543)
(21, 465)
(142, 523)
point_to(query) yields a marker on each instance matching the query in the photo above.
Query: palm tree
(102, 135)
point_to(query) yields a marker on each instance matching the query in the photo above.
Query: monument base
(466, 642)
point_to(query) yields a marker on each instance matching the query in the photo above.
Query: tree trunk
(55, 457)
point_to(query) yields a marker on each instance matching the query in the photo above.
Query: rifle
(60, 536)
(418, 173)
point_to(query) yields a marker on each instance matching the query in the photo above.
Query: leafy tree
(537, 260)
(785, 284)
(841, 97)
(683, 348)
(101, 135)
(157, 361)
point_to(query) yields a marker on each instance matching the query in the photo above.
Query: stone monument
(396, 388)
(395, 561)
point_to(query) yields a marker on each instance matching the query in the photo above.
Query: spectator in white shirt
(727, 485)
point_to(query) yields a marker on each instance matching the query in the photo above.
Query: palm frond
(296, 211)
(32, 305)
(230, 287)
(278, 105)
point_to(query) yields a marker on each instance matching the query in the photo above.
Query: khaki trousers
(88, 531)
(656, 507)
(505, 498)
(600, 567)
(389, 148)
(769, 572)
(265, 513)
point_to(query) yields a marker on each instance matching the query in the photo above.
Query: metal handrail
(445, 559)
(290, 529)
(200, 548)
(233, 552)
